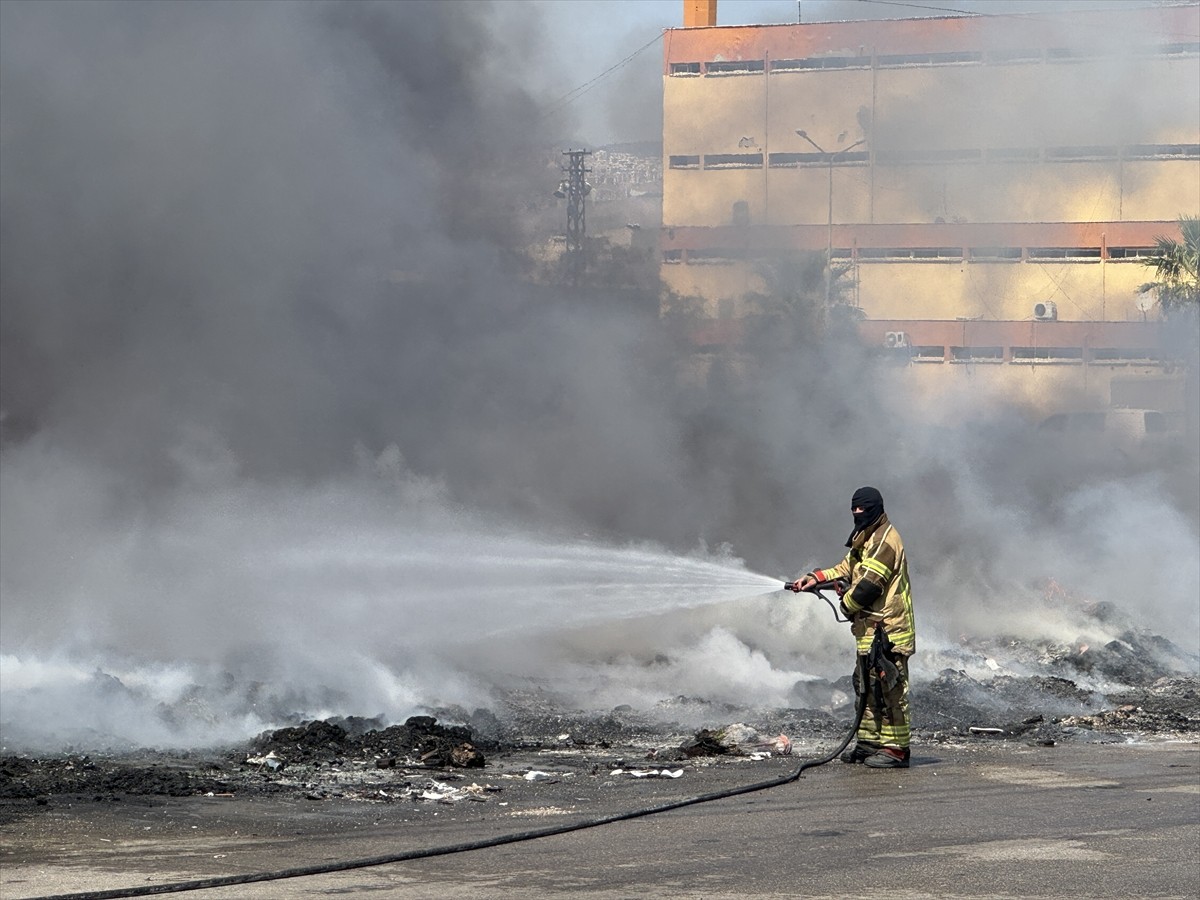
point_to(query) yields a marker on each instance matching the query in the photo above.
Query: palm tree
(1177, 280)
(1177, 268)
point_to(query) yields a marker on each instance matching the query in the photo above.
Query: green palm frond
(1177, 266)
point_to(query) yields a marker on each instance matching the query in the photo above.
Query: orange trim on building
(941, 234)
(1008, 334)
(1027, 31)
(1127, 336)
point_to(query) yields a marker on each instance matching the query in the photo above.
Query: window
(993, 254)
(672, 256)
(792, 160)
(821, 62)
(1125, 354)
(733, 161)
(910, 253)
(1070, 54)
(918, 157)
(929, 353)
(684, 162)
(930, 59)
(685, 68)
(1185, 49)
(1048, 354)
(977, 354)
(1076, 253)
(718, 257)
(1014, 154)
(1155, 422)
(1162, 151)
(1062, 153)
(1133, 252)
(734, 67)
(1002, 57)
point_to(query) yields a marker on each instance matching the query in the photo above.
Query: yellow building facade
(994, 184)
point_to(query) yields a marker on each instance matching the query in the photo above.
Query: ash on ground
(1138, 687)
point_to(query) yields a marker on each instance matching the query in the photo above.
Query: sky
(286, 430)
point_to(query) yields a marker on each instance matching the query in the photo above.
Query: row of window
(1102, 355)
(937, 157)
(904, 60)
(908, 254)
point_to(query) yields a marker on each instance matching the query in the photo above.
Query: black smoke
(248, 249)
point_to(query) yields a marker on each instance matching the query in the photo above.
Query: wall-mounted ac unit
(896, 339)
(1046, 311)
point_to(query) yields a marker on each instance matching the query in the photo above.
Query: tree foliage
(1177, 268)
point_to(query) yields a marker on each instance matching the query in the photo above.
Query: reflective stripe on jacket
(879, 590)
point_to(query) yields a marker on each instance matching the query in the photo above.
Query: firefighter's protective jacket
(878, 590)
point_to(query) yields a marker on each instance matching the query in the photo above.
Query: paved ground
(983, 822)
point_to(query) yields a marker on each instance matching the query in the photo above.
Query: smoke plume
(286, 431)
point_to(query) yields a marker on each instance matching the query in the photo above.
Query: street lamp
(829, 228)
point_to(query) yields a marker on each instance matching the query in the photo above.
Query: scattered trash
(781, 746)
(440, 792)
(736, 740)
(269, 761)
(977, 729)
(648, 773)
(535, 775)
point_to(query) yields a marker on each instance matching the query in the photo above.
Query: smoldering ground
(287, 433)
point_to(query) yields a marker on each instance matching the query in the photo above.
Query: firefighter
(877, 601)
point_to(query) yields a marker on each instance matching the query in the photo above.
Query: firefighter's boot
(888, 758)
(860, 752)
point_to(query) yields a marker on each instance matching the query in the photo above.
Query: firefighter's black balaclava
(871, 502)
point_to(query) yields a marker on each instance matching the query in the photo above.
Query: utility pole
(575, 189)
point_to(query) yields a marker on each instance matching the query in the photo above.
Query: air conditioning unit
(896, 339)
(1047, 311)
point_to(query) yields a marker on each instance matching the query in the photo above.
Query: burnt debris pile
(420, 741)
(1048, 709)
(26, 778)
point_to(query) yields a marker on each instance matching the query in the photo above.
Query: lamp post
(829, 157)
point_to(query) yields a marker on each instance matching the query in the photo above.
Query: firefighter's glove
(879, 659)
(888, 673)
(882, 666)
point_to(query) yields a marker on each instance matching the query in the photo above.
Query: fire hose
(368, 862)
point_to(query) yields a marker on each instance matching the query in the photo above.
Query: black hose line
(302, 871)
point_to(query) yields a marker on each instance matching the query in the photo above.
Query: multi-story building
(992, 183)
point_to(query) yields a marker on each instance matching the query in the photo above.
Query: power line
(1049, 16)
(946, 9)
(573, 95)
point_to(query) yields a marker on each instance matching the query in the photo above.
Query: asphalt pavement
(986, 821)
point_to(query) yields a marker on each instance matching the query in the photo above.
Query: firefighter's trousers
(886, 724)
